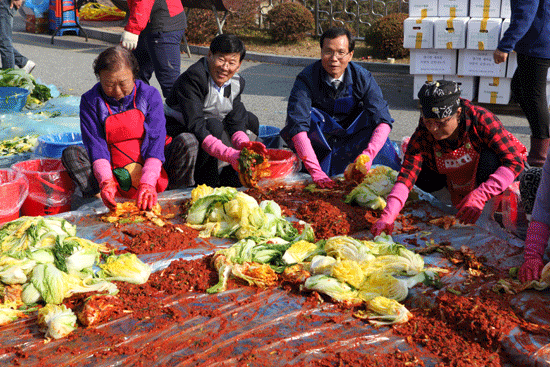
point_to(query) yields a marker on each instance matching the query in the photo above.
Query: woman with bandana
(459, 146)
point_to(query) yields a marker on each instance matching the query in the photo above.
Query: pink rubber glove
(240, 140)
(103, 173)
(535, 244)
(216, 148)
(109, 188)
(377, 140)
(470, 208)
(146, 197)
(305, 151)
(150, 172)
(394, 203)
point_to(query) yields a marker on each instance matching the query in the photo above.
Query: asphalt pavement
(67, 64)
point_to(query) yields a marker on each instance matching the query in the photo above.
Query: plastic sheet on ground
(58, 115)
(271, 323)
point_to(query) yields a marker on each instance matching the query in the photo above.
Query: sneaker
(29, 66)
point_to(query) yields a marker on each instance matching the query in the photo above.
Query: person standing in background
(529, 35)
(154, 33)
(9, 56)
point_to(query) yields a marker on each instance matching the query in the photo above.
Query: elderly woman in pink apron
(126, 150)
(458, 146)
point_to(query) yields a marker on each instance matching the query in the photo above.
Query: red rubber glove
(108, 189)
(146, 197)
(470, 208)
(255, 146)
(381, 225)
(325, 183)
(535, 244)
(394, 203)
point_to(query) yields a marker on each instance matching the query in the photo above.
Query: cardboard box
(494, 90)
(479, 63)
(418, 32)
(505, 9)
(432, 61)
(36, 25)
(420, 79)
(423, 8)
(512, 64)
(453, 8)
(483, 34)
(468, 85)
(485, 8)
(450, 33)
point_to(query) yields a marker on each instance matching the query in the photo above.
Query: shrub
(202, 27)
(289, 22)
(385, 37)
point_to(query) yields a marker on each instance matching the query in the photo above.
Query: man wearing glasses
(206, 102)
(457, 146)
(336, 112)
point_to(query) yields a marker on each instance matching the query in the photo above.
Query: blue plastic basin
(13, 99)
(269, 135)
(52, 145)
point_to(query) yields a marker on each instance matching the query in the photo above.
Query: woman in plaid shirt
(459, 146)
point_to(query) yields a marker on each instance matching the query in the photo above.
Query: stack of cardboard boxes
(455, 40)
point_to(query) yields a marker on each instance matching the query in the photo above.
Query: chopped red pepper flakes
(159, 239)
(459, 330)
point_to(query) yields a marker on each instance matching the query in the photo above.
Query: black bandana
(439, 99)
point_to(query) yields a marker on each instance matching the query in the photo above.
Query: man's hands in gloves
(305, 151)
(255, 146)
(129, 40)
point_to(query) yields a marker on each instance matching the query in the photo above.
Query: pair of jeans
(529, 90)
(159, 52)
(9, 56)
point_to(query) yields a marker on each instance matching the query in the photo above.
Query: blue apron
(335, 146)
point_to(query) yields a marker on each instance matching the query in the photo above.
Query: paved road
(68, 65)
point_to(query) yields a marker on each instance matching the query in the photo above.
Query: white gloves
(129, 40)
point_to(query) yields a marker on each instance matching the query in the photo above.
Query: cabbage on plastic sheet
(30, 294)
(57, 321)
(374, 188)
(125, 268)
(50, 282)
(321, 264)
(9, 313)
(203, 205)
(32, 233)
(347, 248)
(246, 259)
(75, 284)
(224, 212)
(384, 311)
(348, 271)
(335, 289)
(383, 285)
(73, 254)
(15, 271)
(300, 251)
